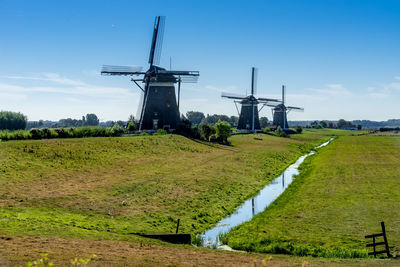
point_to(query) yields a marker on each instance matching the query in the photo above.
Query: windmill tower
(248, 116)
(158, 107)
(279, 111)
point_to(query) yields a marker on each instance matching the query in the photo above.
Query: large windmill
(279, 111)
(248, 116)
(158, 107)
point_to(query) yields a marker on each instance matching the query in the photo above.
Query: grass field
(87, 188)
(342, 194)
(74, 197)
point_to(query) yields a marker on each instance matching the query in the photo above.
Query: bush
(206, 131)
(280, 132)
(161, 132)
(213, 138)
(266, 130)
(299, 129)
(222, 130)
(184, 127)
(131, 127)
(117, 130)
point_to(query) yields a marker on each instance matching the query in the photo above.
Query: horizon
(338, 59)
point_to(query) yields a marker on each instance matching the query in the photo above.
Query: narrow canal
(257, 204)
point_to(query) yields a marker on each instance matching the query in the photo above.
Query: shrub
(131, 127)
(195, 132)
(266, 130)
(117, 130)
(206, 131)
(36, 133)
(222, 130)
(299, 129)
(161, 132)
(213, 138)
(280, 132)
(184, 127)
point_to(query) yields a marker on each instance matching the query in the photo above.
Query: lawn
(342, 194)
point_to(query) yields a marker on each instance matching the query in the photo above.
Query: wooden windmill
(248, 115)
(280, 111)
(158, 107)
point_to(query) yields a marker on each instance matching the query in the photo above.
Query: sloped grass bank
(342, 194)
(133, 184)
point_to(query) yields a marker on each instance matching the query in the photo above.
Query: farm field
(342, 194)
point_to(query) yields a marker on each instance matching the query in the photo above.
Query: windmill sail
(233, 96)
(121, 70)
(156, 44)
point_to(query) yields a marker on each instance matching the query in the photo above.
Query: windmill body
(248, 116)
(161, 110)
(280, 111)
(248, 106)
(280, 117)
(159, 106)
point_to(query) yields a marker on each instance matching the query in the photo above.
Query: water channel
(257, 204)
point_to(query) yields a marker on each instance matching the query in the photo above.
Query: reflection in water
(257, 204)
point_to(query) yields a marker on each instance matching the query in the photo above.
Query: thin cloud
(48, 77)
(75, 88)
(378, 95)
(333, 89)
(230, 88)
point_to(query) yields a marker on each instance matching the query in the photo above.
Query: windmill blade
(268, 99)
(188, 79)
(254, 74)
(121, 70)
(179, 72)
(295, 108)
(156, 43)
(233, 96)
(272, 105)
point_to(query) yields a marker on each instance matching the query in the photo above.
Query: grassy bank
(133, 184)
(341, 195)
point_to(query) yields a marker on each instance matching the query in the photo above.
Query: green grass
(69, 187)
(342, 194)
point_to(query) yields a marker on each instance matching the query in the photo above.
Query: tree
(344, 124)
(222, 130)
(12, 120)
(359, 127)
(263, 122)
(195, 117)
(213, 119)
(91, 120)
(323, 124)
(131, 119)
(234, 121)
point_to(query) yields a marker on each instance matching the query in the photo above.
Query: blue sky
(338, 59)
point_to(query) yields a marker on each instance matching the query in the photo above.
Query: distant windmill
(279, 111)
(248, 116)
(158, 107)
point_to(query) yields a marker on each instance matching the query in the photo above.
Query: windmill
(248, 116)
(158, 107)
(279, 111)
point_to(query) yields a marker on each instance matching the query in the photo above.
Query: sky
(338, 59)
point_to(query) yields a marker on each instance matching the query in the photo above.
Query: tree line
(197, 118)
(12, 120)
